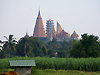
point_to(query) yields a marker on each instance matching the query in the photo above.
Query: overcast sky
(19, 16)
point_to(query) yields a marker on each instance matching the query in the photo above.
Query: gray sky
(19, 16)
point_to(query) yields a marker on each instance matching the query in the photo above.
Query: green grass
(56, 72)
(81, 64)
(6, 70)
(61, 72)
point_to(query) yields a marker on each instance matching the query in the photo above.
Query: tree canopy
(52, 44)
(88, 46)
(9, 45)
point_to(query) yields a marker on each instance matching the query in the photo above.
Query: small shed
(22, 67)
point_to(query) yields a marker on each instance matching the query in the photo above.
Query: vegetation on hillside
(88, 46)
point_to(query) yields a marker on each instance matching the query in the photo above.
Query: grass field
(56, 72)
(63, 72)
(81, 64)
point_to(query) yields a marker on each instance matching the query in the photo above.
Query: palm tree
(27, 47)
(1, 51)
(10, 43)
(0, 44)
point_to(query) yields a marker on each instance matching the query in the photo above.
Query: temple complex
(60, 34)
(39, 28)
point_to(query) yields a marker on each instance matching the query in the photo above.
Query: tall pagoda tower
(39, 27)
(49, 26)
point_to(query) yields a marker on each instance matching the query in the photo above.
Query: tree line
(87, 46)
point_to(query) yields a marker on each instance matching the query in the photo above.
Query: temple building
(60, 35)
(59, 29)
(39, 30)
(74, 35)
(63, 36)
(52, 34)
(49, 26)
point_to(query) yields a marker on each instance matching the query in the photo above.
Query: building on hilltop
(74, 35)
(39, 27)
(49, 26)
(60, 34)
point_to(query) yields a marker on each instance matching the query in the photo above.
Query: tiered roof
(39, 27)
(63, 33)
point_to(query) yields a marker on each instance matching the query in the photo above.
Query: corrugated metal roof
(22, 63)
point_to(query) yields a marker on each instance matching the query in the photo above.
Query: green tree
(1, 51)
(37, 49)
(88, 46)
(9, 44)
(64, 45)
(1, 43)
(52, 45)
(51, 52)
(29, 46)
(61, 53)
(25, 46)
(45, 51)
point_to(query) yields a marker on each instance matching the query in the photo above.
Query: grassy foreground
(56, 72)
(62, 72)
(81, 64)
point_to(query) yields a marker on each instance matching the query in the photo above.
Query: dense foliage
(82, 64)
(52, 44)
(29, 46)
(88, 46)
(8, 47)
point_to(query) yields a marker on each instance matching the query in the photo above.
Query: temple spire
(39, 30)
(39, 11)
